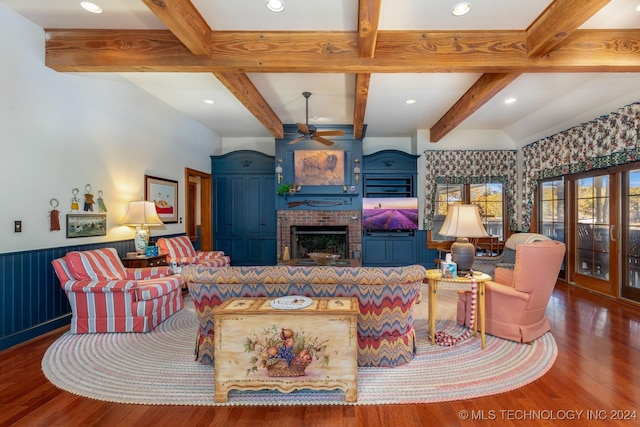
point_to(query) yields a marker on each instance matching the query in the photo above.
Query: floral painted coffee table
(286, 344)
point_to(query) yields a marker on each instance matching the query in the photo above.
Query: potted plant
(284, 189)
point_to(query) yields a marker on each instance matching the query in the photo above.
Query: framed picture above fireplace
(319, 167)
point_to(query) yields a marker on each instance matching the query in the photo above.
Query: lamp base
(463, 253)
(141, 239)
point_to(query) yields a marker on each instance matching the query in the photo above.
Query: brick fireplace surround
(351, 219)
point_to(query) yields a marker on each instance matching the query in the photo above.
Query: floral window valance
(469, 167)
(606, 141)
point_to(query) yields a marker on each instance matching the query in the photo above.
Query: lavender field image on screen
(390, 213)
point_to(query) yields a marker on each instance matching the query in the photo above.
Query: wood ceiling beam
(559, 20)
(240, 85)
(187, 25)
(360, 105)
(338, 52)
(482, 91)
(548, 31)
(185, 22)
(368, 19)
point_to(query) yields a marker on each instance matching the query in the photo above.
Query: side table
(250, 335)
(144, 261)
(435, 279)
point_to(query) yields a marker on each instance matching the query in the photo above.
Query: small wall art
(86, 225)
(164, 193)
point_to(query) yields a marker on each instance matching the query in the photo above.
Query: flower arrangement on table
(284, 352)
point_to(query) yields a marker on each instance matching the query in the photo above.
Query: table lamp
(142, 215)
(462, 222)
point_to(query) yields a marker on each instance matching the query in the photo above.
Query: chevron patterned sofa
(386, 296)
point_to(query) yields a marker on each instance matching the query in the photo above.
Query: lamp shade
(141, 213)
(463, 221)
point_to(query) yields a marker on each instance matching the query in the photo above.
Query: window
(552, 208)
(490, 200)
(488, 196)
(446, 194)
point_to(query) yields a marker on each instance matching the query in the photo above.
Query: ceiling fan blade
(330, 132)
(322, 140)
(293, 141)
(303, 128)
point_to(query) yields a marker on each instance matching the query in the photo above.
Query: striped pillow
(96, 265)
(176, 247)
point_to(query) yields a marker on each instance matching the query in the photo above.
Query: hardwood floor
(597, 374)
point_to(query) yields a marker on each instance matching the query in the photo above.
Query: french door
(630, 288)
(600, 212)
(594, 228)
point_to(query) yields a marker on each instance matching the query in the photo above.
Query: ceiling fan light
(461, 8)
(275, 5)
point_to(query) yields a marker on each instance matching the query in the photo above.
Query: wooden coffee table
(249, 330)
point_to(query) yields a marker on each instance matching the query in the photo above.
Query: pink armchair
(181, 250)
(516, 300)
(107, 297)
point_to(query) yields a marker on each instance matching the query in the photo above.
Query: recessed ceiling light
(209, 101)
(638, 8)
(90, 7)
(510, 100)
(461, 8)
(410, 101)
(275, 5)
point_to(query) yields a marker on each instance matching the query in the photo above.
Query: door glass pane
(593, 226)
(552, 209)
(631, 237)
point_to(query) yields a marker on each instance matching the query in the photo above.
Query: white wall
(60, 131)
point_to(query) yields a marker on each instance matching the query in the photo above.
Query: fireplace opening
(332, 239)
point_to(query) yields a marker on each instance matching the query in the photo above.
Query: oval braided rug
(157, 368)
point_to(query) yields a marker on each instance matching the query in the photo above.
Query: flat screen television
(390, 213)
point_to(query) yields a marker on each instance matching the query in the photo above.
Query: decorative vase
(286, 256)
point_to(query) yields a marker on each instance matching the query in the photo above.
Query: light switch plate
(17, 226)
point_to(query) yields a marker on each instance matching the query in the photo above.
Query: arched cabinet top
(390, 161)
(243, 162)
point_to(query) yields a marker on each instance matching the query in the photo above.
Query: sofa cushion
(96, 265)
(154, 288)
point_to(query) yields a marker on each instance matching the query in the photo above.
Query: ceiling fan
(307, 131)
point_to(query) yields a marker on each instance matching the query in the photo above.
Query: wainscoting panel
(32, 301)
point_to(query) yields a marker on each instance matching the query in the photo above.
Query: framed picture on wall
(319, 167)
(86, 225)
(164, 193)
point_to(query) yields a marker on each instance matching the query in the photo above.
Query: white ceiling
(546, 103)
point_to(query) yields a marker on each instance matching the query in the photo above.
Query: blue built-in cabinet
(244, 214)
(335, 177)
(325, 174)
(390, 174)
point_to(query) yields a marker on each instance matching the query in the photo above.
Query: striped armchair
(107, 297)
(181, 250)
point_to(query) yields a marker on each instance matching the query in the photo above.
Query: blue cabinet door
(388, 250)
